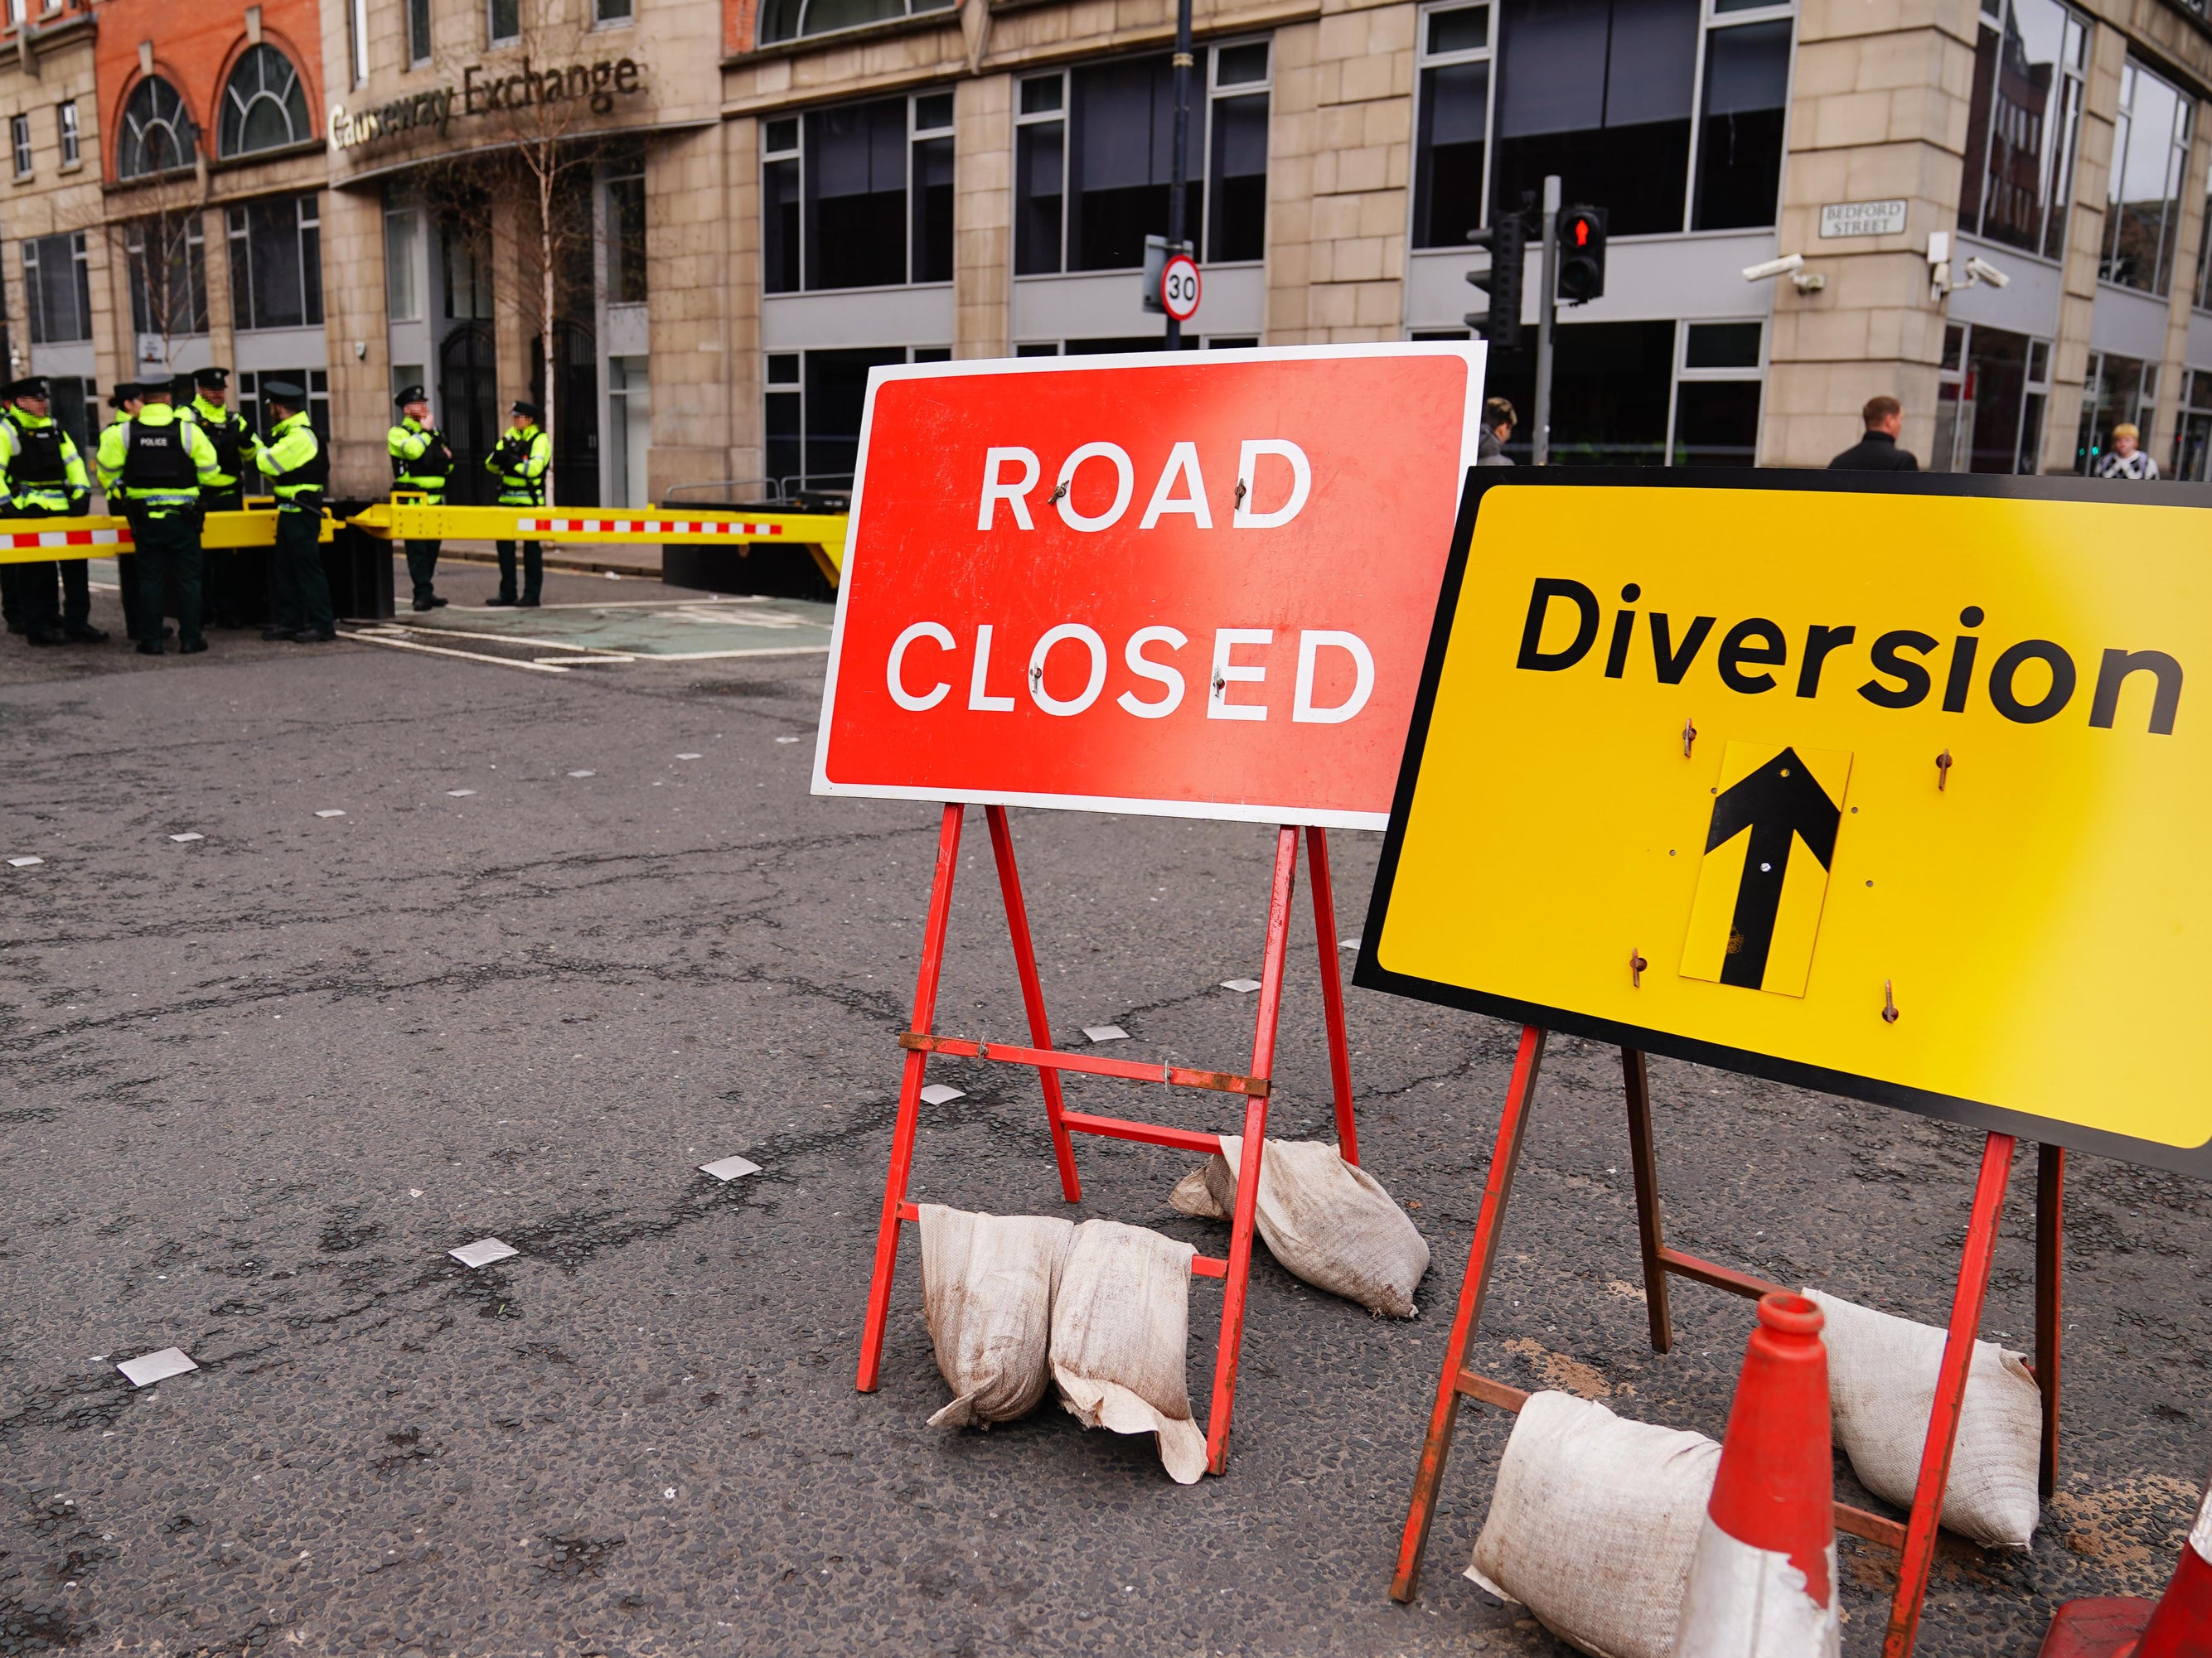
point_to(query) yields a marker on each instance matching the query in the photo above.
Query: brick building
(749, 202)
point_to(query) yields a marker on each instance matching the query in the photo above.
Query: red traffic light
(1582, 232)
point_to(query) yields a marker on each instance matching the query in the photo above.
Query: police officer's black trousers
(51, 595)
(168, 558)
(236, 578)
(422, 566)
(303, 593)
(533, 569)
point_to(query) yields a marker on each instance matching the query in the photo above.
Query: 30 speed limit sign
(1179, 287)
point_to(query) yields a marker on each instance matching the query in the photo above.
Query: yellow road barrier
(49, 540)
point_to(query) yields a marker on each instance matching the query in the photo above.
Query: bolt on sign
(1889, 789)
(1189, 585)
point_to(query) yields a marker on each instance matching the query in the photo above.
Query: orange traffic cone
(2179, 1626)
(1763, 1579)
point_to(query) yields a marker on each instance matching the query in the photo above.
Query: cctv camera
(1780, 267)
(1980, 270)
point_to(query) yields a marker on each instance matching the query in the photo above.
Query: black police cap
(31, 385)
(124, 392)
(213, 379)
(523, 407)
(284, 392)
(410, 394)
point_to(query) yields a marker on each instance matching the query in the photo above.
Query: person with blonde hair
(2126, 459)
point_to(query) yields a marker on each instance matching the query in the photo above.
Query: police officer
(156, 461)
(229, 569)
(421, 459)
(520, 462)
(125, 401)
(298, 469)
(45, 478)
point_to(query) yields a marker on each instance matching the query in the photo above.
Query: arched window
(157, 134)
(787, 20)
(264, 106)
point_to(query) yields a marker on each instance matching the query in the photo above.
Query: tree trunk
(545, 249)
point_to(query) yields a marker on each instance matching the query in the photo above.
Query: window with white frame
(503, 21)
(2023, 123)
(418, 33)
(787, 19)
(71, 139)
(1094, 160)
(2150, 157)
(623, 191)
(264, 105)
(58, 289)
(19, 140)
(403, 264)
(159, 134)
(257, 415)
(166, 256)
(1993, 388)
(1717, 389)
(613, 11)
(2192, 428)
(812, 403)
(1668, 113)
(357, 40)
(859, 196)
(276, 263)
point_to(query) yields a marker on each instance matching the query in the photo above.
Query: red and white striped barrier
(1763, 1579)
(27, 540)
(643, 526)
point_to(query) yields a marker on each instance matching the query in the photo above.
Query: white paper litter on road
(483, 1252)
(189, 834)
(786, 739)
(1352, 943)
(149, 1367)
(1241, 986)
(460, 794)
(1106, 1033)
(330, 811)
(729, 1169)
(942, 1094)
(689, 757)
(583, 773)
(25, 863)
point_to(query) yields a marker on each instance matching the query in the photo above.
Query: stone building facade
(746, 205)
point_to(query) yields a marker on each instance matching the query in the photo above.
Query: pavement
(544, 965)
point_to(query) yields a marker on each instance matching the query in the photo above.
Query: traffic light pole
(1179, 177)
(1547, 307)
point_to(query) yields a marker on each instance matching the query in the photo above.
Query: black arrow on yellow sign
(1779, 803)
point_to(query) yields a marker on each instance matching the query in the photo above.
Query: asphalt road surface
(253, 1086)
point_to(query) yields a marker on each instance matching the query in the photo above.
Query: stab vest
(38, 456)
(158, 459)
(228, 437)
(312, 473)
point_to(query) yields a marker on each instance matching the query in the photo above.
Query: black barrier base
(775, 570)
(358, 566)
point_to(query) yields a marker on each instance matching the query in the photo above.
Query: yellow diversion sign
(1898, 788)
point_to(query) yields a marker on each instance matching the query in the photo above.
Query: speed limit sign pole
(1179, 173)
(1179, 290)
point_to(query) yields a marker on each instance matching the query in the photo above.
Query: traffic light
(1507, 239)
(1581, 253)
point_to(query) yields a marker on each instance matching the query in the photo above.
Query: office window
(812, 402)
(1992, 390)
(356, 41)
(418, 32)
(503, 20)
(1716, 392)
(625, 234)
(1612, 385)
(2116, 389)
(787, 20)
(1454, 125)
(275, 264)
(72, 151)
(166, 256)
(19, 140)
(251, 409)
(402, 258)
(264, 105)
(2150, 154)
(157, 134)
(2023, 122)
(2192, 431)
(613, 11)
(1094, 157)
(1746, 93)
(860, 197)
(464, 252)
(58, 289)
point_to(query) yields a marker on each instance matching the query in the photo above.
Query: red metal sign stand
(1916, 1539)
(1255, 1086)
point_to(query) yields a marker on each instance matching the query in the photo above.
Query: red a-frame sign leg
(1254, 1085)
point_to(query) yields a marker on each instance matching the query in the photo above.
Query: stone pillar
(2195, 184)
(982, 216)
(692, 248)
(223, 338)
(513, 302)
(1878, 112)
(1339, 155)
(742, 362)
(354, 315)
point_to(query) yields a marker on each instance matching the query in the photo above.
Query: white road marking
(466, 656)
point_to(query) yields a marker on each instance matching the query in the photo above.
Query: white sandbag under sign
(1881, 1387)
(1328, 1221)
(987, 1290)
(1120, 1325)
(1593, 1523)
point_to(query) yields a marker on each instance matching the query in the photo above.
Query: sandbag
(1328, 1221)
(1120, 1323)
(986, 1288)
(1881, 1391)
(1593, 1523)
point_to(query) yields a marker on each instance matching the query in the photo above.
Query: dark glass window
(837, 386)
(264, 105)
(855, 195)
(787, 20)
(932, 210)
(58, 289)
(157, 134)
(2023, 120)
(1121, 137)
(2150, 152)
(418, 31)
(1717, 423)
(1239, 179)
(1037, 172)
(626, 266)
(1449, 151)
(1599, 92)
(780, 224)
(275, 264)
(1739, 136)
(166, 255)
(1609, 387)
(1721, 345)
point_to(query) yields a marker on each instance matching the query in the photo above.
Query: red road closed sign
(1195, 586)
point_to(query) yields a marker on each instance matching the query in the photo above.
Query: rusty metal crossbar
(1255, 1086)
